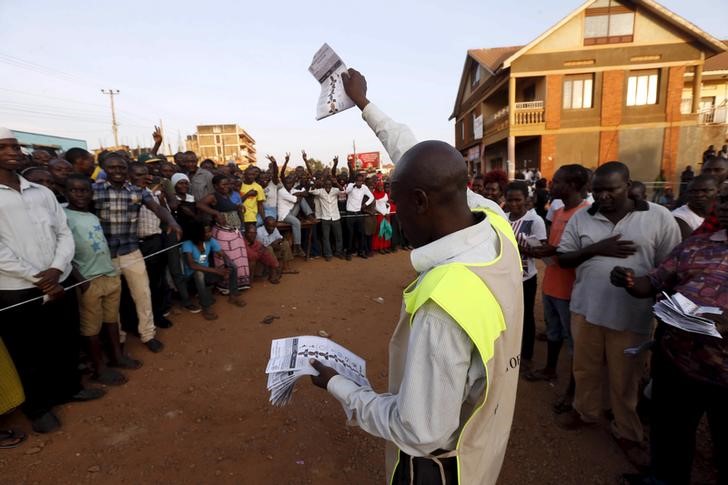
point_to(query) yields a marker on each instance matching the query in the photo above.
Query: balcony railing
(498, 121)
(529, 113)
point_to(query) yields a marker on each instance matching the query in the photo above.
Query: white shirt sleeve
(397, 138)
(423, 416)
(368, 193)
(65, 246)
(349, 188)
(570, 239)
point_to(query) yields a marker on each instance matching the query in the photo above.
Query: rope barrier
(45, 297)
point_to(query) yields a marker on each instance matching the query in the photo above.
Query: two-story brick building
(614, 80)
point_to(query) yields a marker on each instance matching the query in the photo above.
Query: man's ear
(422, 202)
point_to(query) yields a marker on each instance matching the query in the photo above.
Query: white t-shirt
(271, 195)
(530, 230)
(687, 215)
(327, 204)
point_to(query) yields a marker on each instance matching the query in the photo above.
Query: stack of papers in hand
(678, 311)
(289, 360)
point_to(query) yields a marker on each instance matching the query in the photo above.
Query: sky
(189, 63)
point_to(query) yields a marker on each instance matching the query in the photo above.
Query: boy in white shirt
(327, 199)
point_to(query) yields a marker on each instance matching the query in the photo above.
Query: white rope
(131, 263)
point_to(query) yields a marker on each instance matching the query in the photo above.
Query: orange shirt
(557, 281)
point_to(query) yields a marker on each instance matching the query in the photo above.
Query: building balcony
(707, 114)
(529, 113)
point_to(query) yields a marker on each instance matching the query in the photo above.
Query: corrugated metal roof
(718, 62)
(493, 58)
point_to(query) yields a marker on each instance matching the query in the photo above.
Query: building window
(462, 130)
(642, 87)
(608, 22)
(474, 74)
(578, 91)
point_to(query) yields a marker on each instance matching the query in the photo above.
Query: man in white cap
(41, 332)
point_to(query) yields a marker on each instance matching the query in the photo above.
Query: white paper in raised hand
(327, 67)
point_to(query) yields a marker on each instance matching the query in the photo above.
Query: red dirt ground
(198, 412)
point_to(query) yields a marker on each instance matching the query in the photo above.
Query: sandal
(110, 377)
(563, 405)
(126, 362)
(11, 438)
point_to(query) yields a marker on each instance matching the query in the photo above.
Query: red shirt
(557, 281)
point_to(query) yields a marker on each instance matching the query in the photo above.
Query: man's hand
(223, 271)
(251, 193)
(622, 277)
(304, 155)
(288, 157)
(614, 247)
(220, 219)
(176, 229)
(55, 292)
(324, 374)
(355, 86)
(48, 280)
(336, 160)
(272, 159)
(157, 135)
(721, 322)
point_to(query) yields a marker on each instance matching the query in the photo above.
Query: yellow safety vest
(463, 294)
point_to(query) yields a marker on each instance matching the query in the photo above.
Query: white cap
(6, 133)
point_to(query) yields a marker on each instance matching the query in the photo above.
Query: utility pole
(114, 125)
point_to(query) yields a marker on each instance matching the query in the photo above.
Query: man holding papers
(454, 356)
(689, 369)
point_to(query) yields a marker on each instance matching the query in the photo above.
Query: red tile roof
(718, 62)
(493, 58)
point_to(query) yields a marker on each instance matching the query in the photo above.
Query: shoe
(544, 374)
(47, 423)
(154, 345)
(327, 258)
(634, 452)
(163, 323)
(224, 291)
(348, 256)
(563, 405)
(209, 314)
(88, 394)
(167, 312)
(363, 256)
(192, 308)
(237, 301)
(572, 421)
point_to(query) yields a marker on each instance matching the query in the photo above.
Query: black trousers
(43, 341)
(356, 239)
(678, 404)
(426, 471)
(156, 270)
(529, 322)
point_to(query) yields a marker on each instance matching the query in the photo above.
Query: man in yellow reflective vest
(454, 356)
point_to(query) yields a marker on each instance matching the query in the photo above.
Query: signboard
(366, 160)
(478, 127)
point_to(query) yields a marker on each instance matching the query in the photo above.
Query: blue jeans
(558, 320)
(203, 282)
(291, 219)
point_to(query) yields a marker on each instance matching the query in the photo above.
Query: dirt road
(198, 412)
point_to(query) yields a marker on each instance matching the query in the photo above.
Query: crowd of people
(598, 237)
(103, 246)
(85, 239)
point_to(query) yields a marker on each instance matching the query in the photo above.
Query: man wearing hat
(41, 332)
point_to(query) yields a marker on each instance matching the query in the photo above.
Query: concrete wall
(581, 148)
(641, 150)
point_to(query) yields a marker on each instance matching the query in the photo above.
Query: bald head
(434, 167)
(429, 186)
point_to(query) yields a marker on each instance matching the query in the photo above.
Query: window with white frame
(578, 91)
(642, 87)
